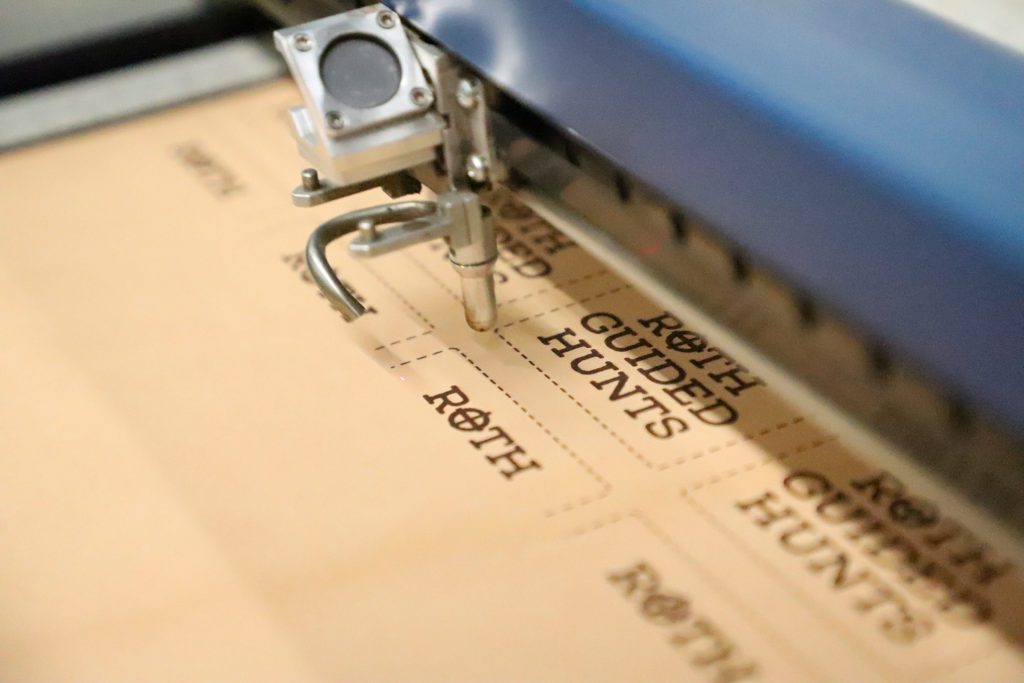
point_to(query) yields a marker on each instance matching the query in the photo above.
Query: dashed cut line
(632, 450)
(555, 286)
(514, 322)
(636, 453)
(592, 297)
(402, 341)
(416, 262)
(601, 423)
(742, 438)
(752, 435)
(767, 460)
(772, 570)
(415, 311)
(740, 603)
(606, 486)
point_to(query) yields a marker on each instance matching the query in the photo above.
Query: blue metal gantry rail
(868, 152)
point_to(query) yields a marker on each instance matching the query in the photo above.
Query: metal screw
(303, 42)
(368, 229)
(310, 180)
(387, 20)
(476, 168)
(468, 93)
(334, 120)
(421, 97)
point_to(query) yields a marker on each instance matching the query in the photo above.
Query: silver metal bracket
(458, 217)
(467, 145)
(368, 105)
(384, 109)
(315, 191)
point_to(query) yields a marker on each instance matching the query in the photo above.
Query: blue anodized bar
(868, 152)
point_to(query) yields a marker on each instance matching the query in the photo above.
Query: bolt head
(421, 97)
(368, 230)
(310, 179)
(387, 19)
(335, 120)
(303, 42)
(468, 93)
(476, 168)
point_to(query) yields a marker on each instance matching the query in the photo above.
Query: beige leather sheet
(208, 476)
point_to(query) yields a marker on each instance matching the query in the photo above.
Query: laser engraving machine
(836, 187)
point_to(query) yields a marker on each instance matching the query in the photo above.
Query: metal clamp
(458, 217)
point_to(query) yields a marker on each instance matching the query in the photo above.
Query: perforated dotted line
(632, 451)
(744, 437)
(433, 277)
(600, 523)
(557, 285)
(448, 289)
(776, 457)
(402, 341)
(772, 570)
(568, 305)
(740, 601)
(715, 581)
(606, 487)
(578, 503)
(418, 358)
(401, 298)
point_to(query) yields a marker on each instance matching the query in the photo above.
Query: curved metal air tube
(365, 220)
(456, 216)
